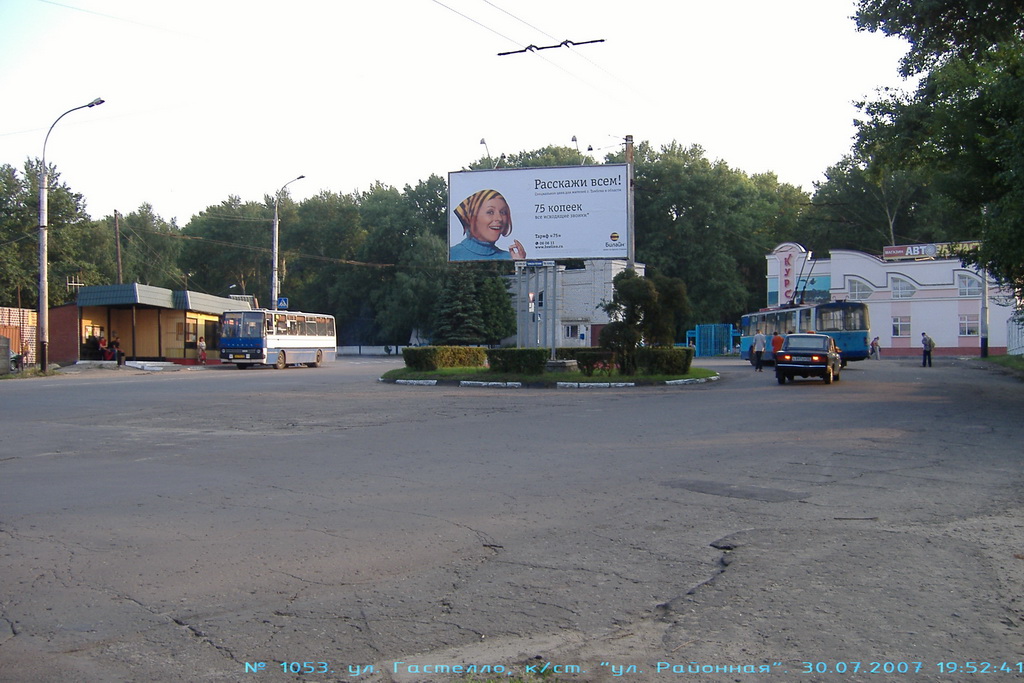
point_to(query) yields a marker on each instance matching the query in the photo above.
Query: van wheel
(281, 361)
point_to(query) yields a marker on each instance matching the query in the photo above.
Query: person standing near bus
(876, 349)
(202, 351)
(777, 341)
(760, 342)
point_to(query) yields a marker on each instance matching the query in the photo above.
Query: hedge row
(519, 361)
(434, 357)
(649, 360)
(664, 361)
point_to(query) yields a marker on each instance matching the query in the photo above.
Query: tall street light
(277, 223)
(43, 323)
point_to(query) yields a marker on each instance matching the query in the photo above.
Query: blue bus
(277, 338)
(845, 321)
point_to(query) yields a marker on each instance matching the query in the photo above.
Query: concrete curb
(545, 385)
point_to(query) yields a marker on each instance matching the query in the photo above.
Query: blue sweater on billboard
(472, 249)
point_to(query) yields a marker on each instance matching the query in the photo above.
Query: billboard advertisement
(540, 213)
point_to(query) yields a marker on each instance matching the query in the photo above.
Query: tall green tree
(710, 226)
(408, 305)
(78, 250)
(859, 207)
(19, 246)
(963, 126)
(228, 249)
(317, 248)
(150, 248)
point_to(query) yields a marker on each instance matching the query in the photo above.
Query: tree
(710, 226)
(459, 318)
(150, 248)
(77, 249)
(861, 209)
(938, 30)
(409, 304)
(642, 309)
(19, 251)
(326, 232)
(963, 126)
(496, 308)
(229, 244)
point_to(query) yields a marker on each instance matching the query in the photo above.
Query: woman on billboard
(485, 216)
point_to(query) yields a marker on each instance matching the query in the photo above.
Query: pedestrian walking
(758, 347)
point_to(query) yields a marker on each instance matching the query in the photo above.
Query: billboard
(553, 212)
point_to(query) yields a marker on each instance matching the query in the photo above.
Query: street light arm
(98, 101)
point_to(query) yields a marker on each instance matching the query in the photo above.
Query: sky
(205, 99)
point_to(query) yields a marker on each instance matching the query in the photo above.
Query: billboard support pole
(523, 304)
(630, 207)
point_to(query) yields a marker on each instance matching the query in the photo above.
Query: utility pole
(117, 237)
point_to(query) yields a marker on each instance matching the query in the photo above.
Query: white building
(578, 320)
(914, 290)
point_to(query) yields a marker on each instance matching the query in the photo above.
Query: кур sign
(539, 213)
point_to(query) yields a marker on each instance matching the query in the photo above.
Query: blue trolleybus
(845, 321)
(277, 338)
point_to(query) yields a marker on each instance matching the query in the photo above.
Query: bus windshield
(247, 324)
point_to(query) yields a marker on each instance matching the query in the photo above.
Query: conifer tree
(460, 320)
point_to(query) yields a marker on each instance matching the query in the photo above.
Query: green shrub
(520, 361)
(434, 357)
(595, 360)
(663, 360)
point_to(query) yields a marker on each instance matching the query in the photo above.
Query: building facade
(917, 291)
(575, 294)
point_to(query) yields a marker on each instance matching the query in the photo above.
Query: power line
(535, 48)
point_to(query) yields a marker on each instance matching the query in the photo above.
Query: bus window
(856, 318)
(804, 322)
(830, 320)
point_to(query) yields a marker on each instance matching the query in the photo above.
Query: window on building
(572, 331)
(859, 290)
(902, 289)
(901, 326)
(968, 286)
(969, 325)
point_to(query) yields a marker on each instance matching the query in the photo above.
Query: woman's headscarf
(471, 205)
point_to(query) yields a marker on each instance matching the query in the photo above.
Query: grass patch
(1015, 363)
(27, 373)
(485, 375)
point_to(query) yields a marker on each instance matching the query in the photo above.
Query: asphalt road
(316, 525)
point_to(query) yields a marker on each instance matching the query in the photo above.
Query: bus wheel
(281, 361)
(318, 361)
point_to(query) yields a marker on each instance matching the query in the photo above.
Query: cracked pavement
(181, 526)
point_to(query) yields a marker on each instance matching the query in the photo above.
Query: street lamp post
(43, 322)
(277, 223)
